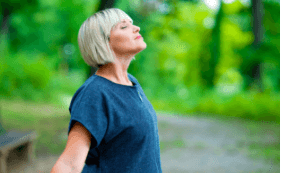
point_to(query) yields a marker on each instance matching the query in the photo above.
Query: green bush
(25, 76)
(247, 105)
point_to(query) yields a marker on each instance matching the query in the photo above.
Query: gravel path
(197, 145)
(210, 146)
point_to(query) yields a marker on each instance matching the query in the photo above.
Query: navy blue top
(123, 125)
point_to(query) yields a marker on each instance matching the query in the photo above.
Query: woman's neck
(115, 72)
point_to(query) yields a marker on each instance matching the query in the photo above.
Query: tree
(6, 12)
(208, 67)
(10, 7)
(257, 18)
(255, 54)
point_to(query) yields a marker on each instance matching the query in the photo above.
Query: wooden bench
(15, 146)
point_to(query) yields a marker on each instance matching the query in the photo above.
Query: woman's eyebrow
(124, 21)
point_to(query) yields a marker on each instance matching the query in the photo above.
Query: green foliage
(177, 61)
(38, 48)
(49, 26)
(41, 58)
(222, 102)
(24, 77)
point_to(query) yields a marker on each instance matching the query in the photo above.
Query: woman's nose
(137, 29)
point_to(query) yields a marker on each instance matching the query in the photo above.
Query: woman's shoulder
(132, 78)
(90, 85)
(91, 88)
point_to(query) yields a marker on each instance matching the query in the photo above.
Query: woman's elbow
(64, 165)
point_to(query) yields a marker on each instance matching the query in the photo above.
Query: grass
(51, 125)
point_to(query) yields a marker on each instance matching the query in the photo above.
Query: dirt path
(211, 146)
(197, 145)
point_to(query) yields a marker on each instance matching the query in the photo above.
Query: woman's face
(125, 39)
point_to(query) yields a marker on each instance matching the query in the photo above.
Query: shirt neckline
(134, 84)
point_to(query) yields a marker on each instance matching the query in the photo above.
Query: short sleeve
(88, 108)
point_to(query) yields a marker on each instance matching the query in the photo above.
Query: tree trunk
(103, 5)
(257, 13)
(106, 4)
(215, 49)
(6, 12)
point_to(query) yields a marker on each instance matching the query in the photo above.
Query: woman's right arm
(73, 157)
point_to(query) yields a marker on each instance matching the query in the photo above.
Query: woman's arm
(73, 158)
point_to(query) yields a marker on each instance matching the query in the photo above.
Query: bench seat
(16, 141)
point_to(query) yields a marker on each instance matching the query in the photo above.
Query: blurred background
(203, 58)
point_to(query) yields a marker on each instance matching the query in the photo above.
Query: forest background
(201, 57)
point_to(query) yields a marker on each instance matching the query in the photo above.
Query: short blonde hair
(94, 35)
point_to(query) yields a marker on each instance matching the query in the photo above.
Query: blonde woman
(113, 127)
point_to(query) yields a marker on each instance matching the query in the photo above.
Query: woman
(113, 127)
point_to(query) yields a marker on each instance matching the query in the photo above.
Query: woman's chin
(144, 46)
(141, 48)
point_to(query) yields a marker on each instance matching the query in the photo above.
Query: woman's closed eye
(123, 27)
